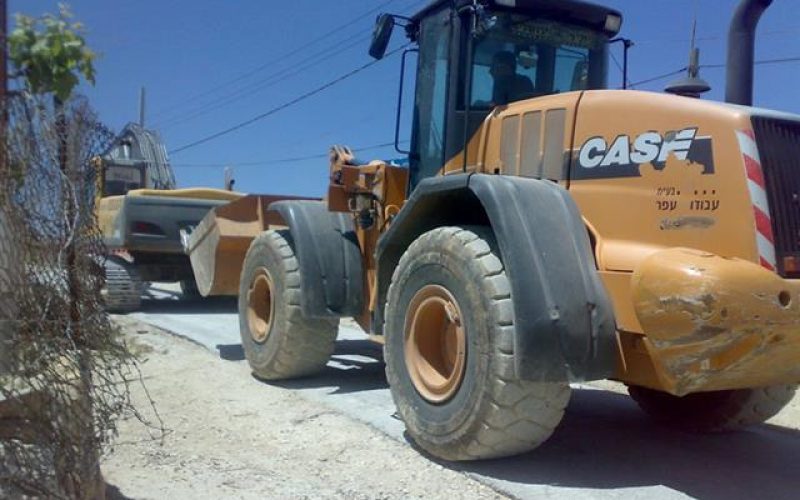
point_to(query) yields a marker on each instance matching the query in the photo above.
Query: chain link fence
(64, 372)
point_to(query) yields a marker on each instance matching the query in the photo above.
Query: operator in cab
(509, 86)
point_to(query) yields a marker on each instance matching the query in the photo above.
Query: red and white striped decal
(765, 241)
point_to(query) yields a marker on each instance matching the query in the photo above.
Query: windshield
(519, 58)
(121, 179)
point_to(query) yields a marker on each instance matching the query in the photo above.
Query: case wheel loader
(570, 233)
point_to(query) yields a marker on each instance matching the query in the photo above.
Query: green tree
(50, 53)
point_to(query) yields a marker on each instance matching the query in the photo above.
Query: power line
(777, 61)
(659, 77)
(277, 160)
(711, 38)
(286, 104)
(759, 63)
(371, 63)
(253, 87)
(303, 65)
(276, 60)
(270, 81)
(280, 75)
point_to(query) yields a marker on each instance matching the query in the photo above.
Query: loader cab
(123, 176)
(477, 55)
(135, 159)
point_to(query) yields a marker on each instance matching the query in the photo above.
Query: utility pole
(141, 105)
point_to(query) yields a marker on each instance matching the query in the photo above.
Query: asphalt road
(604, 448)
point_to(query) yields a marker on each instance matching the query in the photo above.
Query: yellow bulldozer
(547, 230)
(141, 215)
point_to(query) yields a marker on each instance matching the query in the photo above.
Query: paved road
(604, 448)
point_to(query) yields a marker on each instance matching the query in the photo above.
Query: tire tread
(304, 345)
(507, 425)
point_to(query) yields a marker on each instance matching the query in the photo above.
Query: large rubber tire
(293, 345)
(716, 411)
(491, 414)
(123, 290)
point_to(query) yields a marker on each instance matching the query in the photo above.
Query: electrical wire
(389, 54)
(280, 75)
(287, 104)
(711, 38)
(255, 87)
(276, 60)
(780, 60)
(277, 160)
(759, 63)
(656, 78)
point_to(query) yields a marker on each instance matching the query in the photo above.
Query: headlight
(613, 23)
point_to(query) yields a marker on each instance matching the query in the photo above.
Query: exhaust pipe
(741, 51)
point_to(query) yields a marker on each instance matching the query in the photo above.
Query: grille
(778, 143)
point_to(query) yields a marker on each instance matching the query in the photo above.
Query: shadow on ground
(356, 365)
(174, 303)
(231, 352)
(605, 442)
(114, 493)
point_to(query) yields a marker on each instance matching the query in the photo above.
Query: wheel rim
(435, 343)
(260, 306)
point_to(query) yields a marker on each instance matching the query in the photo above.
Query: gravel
(231, 436)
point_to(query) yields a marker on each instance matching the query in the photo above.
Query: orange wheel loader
(546, 231)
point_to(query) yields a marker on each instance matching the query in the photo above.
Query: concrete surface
(604, 448)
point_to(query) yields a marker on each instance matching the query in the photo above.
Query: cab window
(121, 179)
(519, 58)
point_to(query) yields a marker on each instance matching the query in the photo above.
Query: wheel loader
(552, 232)
(141, 215)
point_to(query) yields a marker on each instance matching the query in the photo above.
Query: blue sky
(208, 65)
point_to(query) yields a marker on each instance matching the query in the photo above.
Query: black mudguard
(564, 319)
(331, 271)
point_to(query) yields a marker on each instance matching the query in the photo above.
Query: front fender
(563, 317)
(327, 250)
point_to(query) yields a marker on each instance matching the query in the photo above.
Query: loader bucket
(218, 245)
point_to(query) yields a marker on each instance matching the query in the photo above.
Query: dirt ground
(230, 436)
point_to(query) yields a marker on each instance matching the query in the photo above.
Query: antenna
(692, 85)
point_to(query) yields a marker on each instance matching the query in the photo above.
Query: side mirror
(381, 35)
